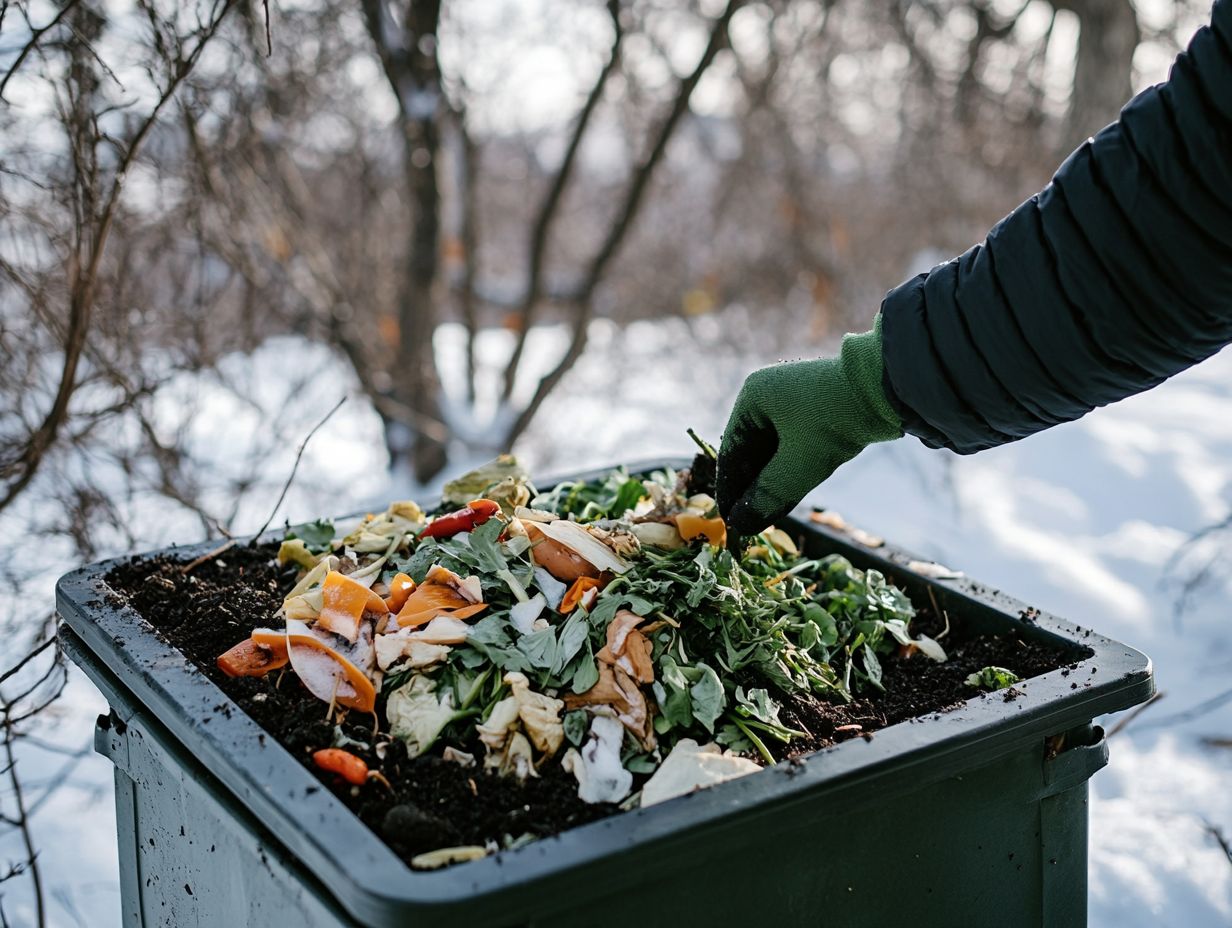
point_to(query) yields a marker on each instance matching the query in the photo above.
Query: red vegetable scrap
(343, 763)
(475, 513)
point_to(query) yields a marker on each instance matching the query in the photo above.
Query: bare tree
(99, 162)
(1103, 72)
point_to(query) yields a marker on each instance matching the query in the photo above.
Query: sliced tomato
(474, 514)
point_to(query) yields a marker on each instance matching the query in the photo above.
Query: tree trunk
(409, 57)
(1103, 73)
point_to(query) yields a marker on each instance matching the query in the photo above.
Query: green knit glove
(793, 424)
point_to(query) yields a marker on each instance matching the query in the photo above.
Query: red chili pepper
(477, 512)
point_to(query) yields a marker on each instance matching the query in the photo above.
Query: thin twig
(269, 37)
(35, 36)
(548, 208)
(1194, 712)
(23, 822)
(209, 556)
(27, 659)
(1155, 697)
(298, 454)
(639, 183)
(1217, 833)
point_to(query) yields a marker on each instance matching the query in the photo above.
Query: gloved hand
(793, 424)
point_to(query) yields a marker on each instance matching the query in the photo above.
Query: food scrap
(601, 628)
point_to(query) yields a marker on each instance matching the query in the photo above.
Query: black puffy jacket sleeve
(1113, 278)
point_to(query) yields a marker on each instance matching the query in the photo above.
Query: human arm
(1115, 277)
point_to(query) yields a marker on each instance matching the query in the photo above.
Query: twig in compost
(294, 467)
(333, 699)
(1155, 697)
(937, 609)
(208, 556)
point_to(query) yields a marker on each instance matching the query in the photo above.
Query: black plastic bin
(967, 818)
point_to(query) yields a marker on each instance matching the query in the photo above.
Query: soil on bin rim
(432, 803)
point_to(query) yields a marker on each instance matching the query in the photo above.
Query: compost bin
(969, 817)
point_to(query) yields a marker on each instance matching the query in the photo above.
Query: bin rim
(376, 887)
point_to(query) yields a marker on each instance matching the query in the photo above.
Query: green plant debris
(992, 678)
(689, 641)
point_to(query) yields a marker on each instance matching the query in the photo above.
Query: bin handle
(1081, 752)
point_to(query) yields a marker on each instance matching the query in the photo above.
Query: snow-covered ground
(1078, 520)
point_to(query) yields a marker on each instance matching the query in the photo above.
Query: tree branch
(85, 278)
(548, 208)
(23, 824)
(35, 37)
(584, 299)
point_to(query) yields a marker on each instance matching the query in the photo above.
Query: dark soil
(701, 475)
(917, 686)
(432, 803)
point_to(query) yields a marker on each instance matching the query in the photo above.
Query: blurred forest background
(238, 213)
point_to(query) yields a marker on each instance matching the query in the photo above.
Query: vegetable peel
(345, 602)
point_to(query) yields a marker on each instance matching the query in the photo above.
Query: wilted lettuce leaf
(472, 485)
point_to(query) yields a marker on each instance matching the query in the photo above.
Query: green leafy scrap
(609, 498)
(316, 535)
(731, 636)
(576, 724)
(475, 483)
(992, 678)
(707, 697)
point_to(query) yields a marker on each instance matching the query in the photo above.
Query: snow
(1079, 520)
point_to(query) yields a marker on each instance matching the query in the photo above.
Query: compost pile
(520, 662)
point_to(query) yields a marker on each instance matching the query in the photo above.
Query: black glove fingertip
(745, 519)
